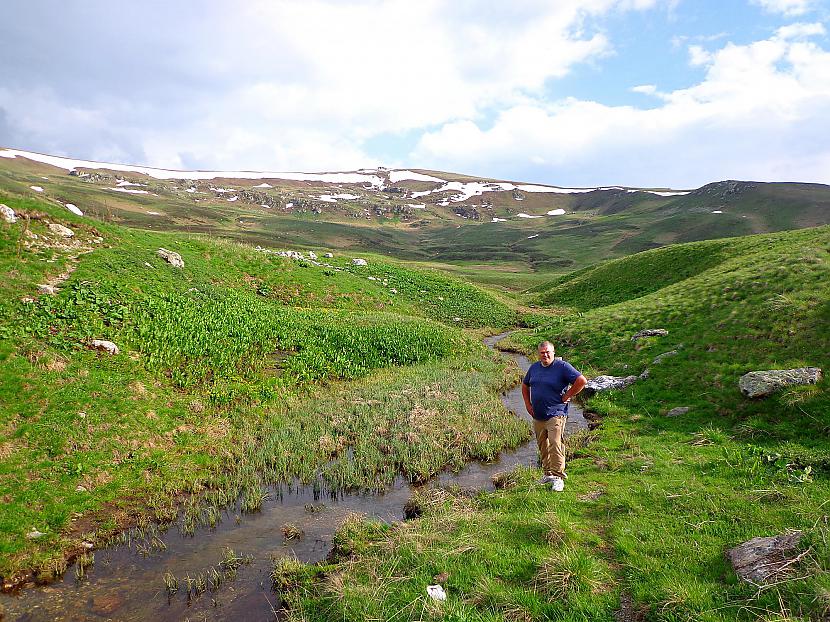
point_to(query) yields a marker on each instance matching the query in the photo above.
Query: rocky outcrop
(607, 383)
(7, 213)
(662, 357)
(763, 383)
(174, 259)
(650, 332)
(676, 412)
(763, 560)
(359, 262)
(104, 346)
(60, 230)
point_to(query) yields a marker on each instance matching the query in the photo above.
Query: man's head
(546, 353)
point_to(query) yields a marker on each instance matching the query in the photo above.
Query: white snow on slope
(417, 205)
(191, 190)
(523, 215)
(36, 188)
(535, 235)
(535, 188)
(327, 198)
(128, 190)
(74, 209)
(232, 199)
(556, 212)
(264, 185)
(69, 164)
(396, 176)
(717, 211)
(123, 183)
(661, 193)
(499, 219)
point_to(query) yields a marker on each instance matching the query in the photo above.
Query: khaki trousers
(550, 439)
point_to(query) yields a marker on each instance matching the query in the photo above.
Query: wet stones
(650, 332)
(174, 259)
(607, 383)
(7, 214)
(763, 383)
(763, 560)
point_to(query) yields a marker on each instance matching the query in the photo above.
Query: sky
(647, 93)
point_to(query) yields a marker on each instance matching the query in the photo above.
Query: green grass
(653, 503)
(222, 383)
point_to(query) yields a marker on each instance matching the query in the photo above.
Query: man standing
(547, 388)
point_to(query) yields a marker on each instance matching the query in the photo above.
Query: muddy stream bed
(126, 582)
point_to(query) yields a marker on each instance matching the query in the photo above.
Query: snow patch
(535, 235)
(264, 185)
(155, 213)
(36, 188)
(232, 199)
(289, 205)
(191, 190)
(523, 215)
(717, 211)
(499, 219)
(327, 198)
(123, 183)
(128, 190)
(417, 205)
(69, 164)
(222, 190)
(556, 212)
(396, 176)
(555, 190)
(74, 209)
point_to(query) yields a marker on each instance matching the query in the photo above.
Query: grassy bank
(238, 370)
(653, 503)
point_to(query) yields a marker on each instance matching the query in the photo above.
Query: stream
(126, 582)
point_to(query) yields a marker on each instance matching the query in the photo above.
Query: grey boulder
(607, 383)
(650, 332)
(763, 383)
(763, 560)
(174, 259)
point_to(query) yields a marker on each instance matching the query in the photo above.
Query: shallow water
(125, 584)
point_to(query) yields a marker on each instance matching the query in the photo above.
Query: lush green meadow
(220, 385)
(652, 502)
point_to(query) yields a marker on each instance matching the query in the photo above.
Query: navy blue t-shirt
(547, 384)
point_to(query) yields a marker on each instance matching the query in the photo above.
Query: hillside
(655, 496)
(506, 233)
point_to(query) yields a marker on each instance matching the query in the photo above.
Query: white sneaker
(547, 479)
(557, 484)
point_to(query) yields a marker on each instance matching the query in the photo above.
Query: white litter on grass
(36, 188)
(396, 176)
(264, 185)
(556, 212)
(499, 219)
(436, 592)
(717, 211)
(232, 199)
(74, 209)
(69, 164)
(128, 190)
(523, 215)
(417, 205)
(535, 235)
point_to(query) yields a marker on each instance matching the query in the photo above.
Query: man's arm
(576, 387)
(526, 396)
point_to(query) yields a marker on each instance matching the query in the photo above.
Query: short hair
(545, 344)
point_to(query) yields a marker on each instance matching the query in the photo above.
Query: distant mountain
(416, 214)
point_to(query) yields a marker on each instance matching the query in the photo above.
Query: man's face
(546, 355)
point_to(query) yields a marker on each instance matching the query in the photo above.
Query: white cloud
(645, 89)
(760, 113)
(698, 56)
(800, 30)
(305, 83)
(787, 8)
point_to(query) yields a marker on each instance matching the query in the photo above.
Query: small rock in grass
(763, 560)
(60, 230)
(645, 374)
(650, 332)
(174, 259)
(80, 488)
(312, 255)
(662, 357)
(328, 255)
(34, 534)
(87, 545)
(606, 383)
(676, 412)
(7, 213)
(359, 262)
(46, 289)
(763, 383)
(104, 346)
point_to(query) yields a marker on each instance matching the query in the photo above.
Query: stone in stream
(607, 383)
(763, 560)
(174, 259)
(7, 213)
(763, 383)
(650, 332)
